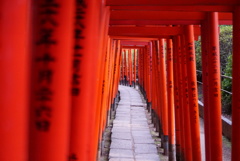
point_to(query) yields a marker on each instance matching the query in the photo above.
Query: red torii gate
(15, 70)
(132, 13)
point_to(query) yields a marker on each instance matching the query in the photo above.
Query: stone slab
(145, 149)
(122, 135)
(120, 153)
(121, 159)
(121, 144)
(147, 157)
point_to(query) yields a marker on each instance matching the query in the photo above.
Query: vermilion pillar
(125, 66)
(164, 97)
(235, 86)
(214, 93)
(135, 66)
(103, 48)
(14, 83)
(85, 77)
(205, 53)
(51, 49)
(193, 94)
(130, 66)
(176, 74)
(170, 94)
(181, 99)
(185, 104)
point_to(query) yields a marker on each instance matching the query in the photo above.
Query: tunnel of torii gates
(62, 60)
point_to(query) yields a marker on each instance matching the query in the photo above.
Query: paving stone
(121, 144)
(122, 125)
(141, 133)
(121, 153)
(130, 132)
(122, 117)
(145, 149)
(121, 121)
(121, 159)
(143, 140)
(122, 135)
(120, 129)
(147, 157)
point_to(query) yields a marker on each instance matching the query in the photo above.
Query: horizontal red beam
(188, 8)
(163, 15)
(159, 22)
(133, 43)
(133, 47)
(170, 2)
(148, 31)
(134, 38)
(154, 22)
(155, 15)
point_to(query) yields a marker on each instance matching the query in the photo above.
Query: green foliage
(198, 54)
(227, 85)
(225, 41)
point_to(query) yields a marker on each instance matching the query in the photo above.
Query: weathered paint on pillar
(14, 81)
(51, 49)
(193, 93)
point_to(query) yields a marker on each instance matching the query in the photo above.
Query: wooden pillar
(130, 66)
(193, 93)
(205, 64)
(181, 99)
(185, 103)
(135, 67)
(164, 98)
(170, 96)
(14, 81)
(51, 48)
(176, 76)
(214, 94)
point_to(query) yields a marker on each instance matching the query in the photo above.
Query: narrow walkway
(131, 137)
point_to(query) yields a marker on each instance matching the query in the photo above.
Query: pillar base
(172, 152)
(164, 140)
(178, 152)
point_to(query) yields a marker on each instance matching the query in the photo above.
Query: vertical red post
(52, 48)
(205, 53)
(185, 104)
(135, 66)
(170, 95)
(164, 97)
(193, 93)
(14, 82)
(125, 66)
(103, 48)
(236, 87)
(181, 99)
(214, 95)
(130, 66)
(176, 77)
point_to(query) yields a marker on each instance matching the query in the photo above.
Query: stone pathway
(131, 137)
